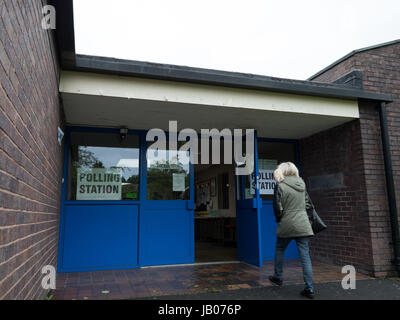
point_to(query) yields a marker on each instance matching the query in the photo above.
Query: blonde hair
(285, 169)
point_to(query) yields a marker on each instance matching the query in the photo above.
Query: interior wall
(207, 172)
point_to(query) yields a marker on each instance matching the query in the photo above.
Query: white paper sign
(99, 184)
(266, 182)
(178, 181)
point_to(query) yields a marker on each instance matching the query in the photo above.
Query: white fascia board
(179, 92)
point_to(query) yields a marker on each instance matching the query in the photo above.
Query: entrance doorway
(125, 208)
(215, 213)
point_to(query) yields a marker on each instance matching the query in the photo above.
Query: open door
(248, 205)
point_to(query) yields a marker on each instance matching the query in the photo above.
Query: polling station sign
(99, 184)
(266, 182)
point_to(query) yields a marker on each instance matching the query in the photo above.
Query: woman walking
(291, 203)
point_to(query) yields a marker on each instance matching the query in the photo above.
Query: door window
(245, 183)
(168, 175)
(103, 167)
(270, 154)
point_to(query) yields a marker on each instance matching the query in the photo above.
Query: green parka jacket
(291, 202)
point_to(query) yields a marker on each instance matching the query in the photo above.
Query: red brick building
(30, 156)
(362, 233)
(329, 126)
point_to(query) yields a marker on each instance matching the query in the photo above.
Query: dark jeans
(304, 252)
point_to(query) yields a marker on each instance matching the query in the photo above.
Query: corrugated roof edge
(105, 65)
(352, 53)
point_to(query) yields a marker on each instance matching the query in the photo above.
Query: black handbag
(317, 224)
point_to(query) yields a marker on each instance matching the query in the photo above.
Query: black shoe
(307, 293)
(275, 280)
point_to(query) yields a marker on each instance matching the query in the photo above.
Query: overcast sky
(281, 38)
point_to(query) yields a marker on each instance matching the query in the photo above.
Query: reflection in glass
(104, 173)
(246, 182)
(168, 175)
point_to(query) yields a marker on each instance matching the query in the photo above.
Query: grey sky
(285, 38)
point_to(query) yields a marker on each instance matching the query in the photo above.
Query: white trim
(128, 88)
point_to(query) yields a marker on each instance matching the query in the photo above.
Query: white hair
(285, 169)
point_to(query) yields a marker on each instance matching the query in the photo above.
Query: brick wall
(381, 73)
(30, 157)
(344, 208)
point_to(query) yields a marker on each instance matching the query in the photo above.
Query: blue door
(248, 207)
(268, 235)
(167, 232)
(270, 154)
(167, 213)
(99, 224)
(99, 237)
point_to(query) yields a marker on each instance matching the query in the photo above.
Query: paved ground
(366, 289)
(186, 280)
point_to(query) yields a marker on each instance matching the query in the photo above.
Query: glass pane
(103, 167)
(168, 176)
(245, 180)
(270, 154)
(245, 187)
(249, 187)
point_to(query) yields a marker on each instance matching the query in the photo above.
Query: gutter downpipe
(390, 186)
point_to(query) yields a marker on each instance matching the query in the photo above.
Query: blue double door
(166, 227)
(155, 225)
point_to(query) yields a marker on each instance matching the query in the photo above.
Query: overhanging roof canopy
(99, 91)
(115, 101)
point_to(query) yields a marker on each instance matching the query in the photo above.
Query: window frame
(67, 170)
(142, 170)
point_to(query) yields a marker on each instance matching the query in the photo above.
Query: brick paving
(176, 280)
